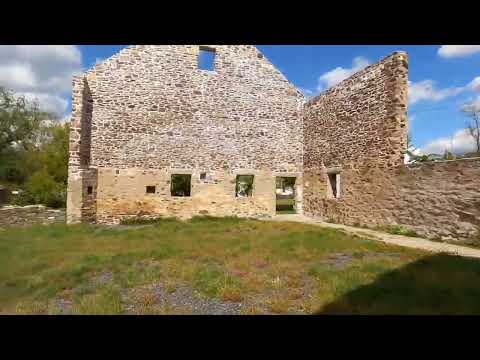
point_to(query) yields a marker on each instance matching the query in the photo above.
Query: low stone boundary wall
(29, 215)
(438, 200)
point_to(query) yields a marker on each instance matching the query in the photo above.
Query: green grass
(399, 230)
(285, 206)
(270, 267)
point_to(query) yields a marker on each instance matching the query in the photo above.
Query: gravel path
(411, 242)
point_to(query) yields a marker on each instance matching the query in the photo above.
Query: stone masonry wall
(358, 130)
(81, 207)
(438, 200)
(124, 195)
(150, 108)
(362, 119)
(359, 123)
(29, 215)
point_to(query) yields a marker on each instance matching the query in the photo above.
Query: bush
(41, 188)
(400, 230)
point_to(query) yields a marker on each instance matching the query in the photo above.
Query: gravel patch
(101, 279)
(340, 260)
(373, 256)
(183, 299)
(61, 306)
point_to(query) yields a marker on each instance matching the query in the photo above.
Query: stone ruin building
(179, 130)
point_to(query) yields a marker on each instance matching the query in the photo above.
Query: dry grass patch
(230, 293)
(278, 305)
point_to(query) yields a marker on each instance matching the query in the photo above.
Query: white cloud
(453, 51)
(338, 74)
(475, 84)
(43, 72)
(459, 143)
(425, 91)
(48, 102)
(17, 75)
(472, 105)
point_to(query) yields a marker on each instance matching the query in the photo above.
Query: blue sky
(442, 78)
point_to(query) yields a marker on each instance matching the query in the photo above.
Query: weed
(278, 305)
(231, 293)
(399, 230)
(251, 309)
(106, 301)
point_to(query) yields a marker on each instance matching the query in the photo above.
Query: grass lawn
(225, 266)
(285, 206)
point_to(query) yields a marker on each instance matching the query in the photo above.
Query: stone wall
(80, 207)
(358, 124)
(362, 119)
(148, 113)
(149, 108)
(29, 215)
(357, 130)
(438, 200)
(123, 195)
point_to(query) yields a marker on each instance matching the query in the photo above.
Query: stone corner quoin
(150, 113)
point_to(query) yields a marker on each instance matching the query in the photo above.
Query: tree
(54, 152)
(472, 110)
(33, 152)
(448, 155)
(19, 120)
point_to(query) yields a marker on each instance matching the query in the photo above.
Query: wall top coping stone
(401, 55)
(438, 162)
(15, 207)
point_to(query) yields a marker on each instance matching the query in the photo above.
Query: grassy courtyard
(285, 206)
(225, 266)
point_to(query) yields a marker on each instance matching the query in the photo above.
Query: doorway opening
(285, 195)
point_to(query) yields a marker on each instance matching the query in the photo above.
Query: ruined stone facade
(357, 130)
(355, 127)
(148, 113)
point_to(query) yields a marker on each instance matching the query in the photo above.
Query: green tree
(48, 183)
(33, 153)
(54, 152)
(20, 120)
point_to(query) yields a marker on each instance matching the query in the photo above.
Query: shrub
(399, 230)
(41, 188)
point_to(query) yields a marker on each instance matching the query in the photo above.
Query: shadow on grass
(438, 285)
